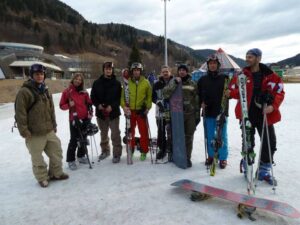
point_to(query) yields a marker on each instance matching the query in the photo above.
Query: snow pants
(51, 145)
(114, 126)
(210, 125)
(142, 123)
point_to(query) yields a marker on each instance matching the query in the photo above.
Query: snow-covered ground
(141, 193)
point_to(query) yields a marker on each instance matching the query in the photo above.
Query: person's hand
(227, 93)
(269, 109)
(100, 107)
(203, 105)
(27, 135)
(108, 109)
(146, 112)
(126, 111)
(71, 103)
(178, 79)
(55, 129)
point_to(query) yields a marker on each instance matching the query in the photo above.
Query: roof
(21, 45)
(29, 63)
(226, 61)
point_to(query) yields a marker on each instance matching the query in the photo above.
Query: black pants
(163, 134)
(74, 133)
(258, 125)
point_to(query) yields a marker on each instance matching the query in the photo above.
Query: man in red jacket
(263, 86)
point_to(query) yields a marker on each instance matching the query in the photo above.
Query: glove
(160, 105)
(76, 122)
(267, 98)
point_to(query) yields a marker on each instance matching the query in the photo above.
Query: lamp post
(166, 39)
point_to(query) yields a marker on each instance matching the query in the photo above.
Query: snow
(141, 193)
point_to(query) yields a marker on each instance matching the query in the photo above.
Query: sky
(234, 25)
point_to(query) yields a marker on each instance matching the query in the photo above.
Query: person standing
(105, 95)
(77, 101)
(190, 105)
(210, 90)
(263, 87)
(35, 117)
(140, 102)
(162, 113)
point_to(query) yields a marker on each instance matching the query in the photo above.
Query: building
(16, 59)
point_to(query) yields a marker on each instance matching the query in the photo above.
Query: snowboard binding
(244, 210)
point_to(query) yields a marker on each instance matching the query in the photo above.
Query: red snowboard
(281, 208)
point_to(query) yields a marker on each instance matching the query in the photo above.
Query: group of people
(36, 121)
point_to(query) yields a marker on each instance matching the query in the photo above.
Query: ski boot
(264, 173)
(209, 161)
(223, 164)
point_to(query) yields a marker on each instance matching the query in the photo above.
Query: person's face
(77, 81)
(182, 72)
(108, 71)
(165, 73)
(252, 60)
(212, 65)
(126, 73)
(136, 73)
(38, 77)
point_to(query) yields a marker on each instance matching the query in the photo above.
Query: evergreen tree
(134, 56)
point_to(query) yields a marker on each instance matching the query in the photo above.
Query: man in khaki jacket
(36, 122)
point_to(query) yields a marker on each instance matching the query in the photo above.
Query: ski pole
(269, 149)
(205, 137)
(150, 139)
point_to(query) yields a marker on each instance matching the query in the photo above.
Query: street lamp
(166, 39)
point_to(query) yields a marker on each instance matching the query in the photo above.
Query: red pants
(141, 122)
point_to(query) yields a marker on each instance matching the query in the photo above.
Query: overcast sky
(235, 25)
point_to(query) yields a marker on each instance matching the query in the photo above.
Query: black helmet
(183, 66)
(213, 58)
(136, 65)
(36, 68)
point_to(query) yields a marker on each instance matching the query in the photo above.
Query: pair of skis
(217, 142)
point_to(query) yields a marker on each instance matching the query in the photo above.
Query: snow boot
(264, 173)
(116, 159)
(72, 165)
(83, 160)
(44, 183)
(143, 156)
(161, 154)
(223, 164)
(63, 176)
(104, 155)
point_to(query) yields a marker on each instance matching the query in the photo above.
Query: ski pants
(74, 136)
(189, 130)
(114, 126)
(210, 126)
(265, 150)
(51, 145)
(142, 123)
(163, 134)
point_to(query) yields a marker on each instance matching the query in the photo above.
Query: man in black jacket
(105, 95)
(162, 113)
(210, 90)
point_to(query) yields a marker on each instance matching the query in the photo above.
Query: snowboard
(179, 157)
(281, 208)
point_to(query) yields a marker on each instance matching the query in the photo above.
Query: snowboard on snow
(280, 208)
(177, 120)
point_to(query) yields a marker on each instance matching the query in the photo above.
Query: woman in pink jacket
(77, 101)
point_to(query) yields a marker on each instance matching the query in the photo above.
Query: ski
(217, 142)
(127, 125)
(248, 154)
